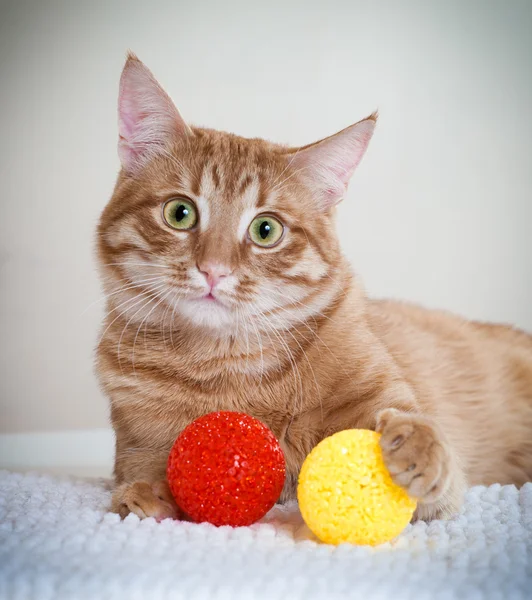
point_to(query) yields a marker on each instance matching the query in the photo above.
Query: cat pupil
(264, 230)
(181, 212)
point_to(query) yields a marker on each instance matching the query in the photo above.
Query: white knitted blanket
(58, 542)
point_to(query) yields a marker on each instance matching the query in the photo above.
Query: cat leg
(421, 460)
(141, 486)
(145, 500)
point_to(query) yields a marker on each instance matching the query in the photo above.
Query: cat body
(227, 290)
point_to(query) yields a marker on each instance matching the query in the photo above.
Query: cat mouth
(210, 299)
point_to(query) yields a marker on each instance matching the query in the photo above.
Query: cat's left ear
(327, 166)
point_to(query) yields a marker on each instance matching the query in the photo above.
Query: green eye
(266, 231)
(180, 213)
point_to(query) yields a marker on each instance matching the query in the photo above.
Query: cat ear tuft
(327, 166)
(147, 118)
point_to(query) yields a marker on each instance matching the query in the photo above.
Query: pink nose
(214, 272)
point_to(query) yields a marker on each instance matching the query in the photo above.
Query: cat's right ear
(328, 165)
(147, 118)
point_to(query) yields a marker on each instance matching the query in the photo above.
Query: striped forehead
(219, 202)
(229, 161)
(229, 180)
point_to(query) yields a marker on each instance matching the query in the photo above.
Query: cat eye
(180, 213)
(266, 231)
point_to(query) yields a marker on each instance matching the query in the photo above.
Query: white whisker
(299, 392)
(141, 295)
(285, 169)
(293, 174)
(304, 322)
(137, 264)
(317, 387)
(163, 326)
(137, 284)
(261, 352)
(144, 321)
(172, 322)
(152, 297)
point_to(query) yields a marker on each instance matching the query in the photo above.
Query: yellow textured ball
(346, 493)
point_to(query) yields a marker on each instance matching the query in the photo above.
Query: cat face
(217, 230)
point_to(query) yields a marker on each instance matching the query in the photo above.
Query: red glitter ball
(226, 468)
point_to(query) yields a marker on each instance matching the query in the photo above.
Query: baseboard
(87, 452)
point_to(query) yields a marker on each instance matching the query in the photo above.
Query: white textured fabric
(58, 542)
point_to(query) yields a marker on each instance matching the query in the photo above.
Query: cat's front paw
(415, 453)
(145, 500)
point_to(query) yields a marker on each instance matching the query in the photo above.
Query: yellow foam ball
(346, 493)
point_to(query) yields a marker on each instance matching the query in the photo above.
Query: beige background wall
(440, 211)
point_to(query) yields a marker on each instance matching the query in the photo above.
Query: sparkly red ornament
(226, 468)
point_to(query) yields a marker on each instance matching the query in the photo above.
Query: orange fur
(294, 342)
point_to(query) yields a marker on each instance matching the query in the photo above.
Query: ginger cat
(226, 289)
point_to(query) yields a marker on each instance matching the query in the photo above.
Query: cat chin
(209, 314)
